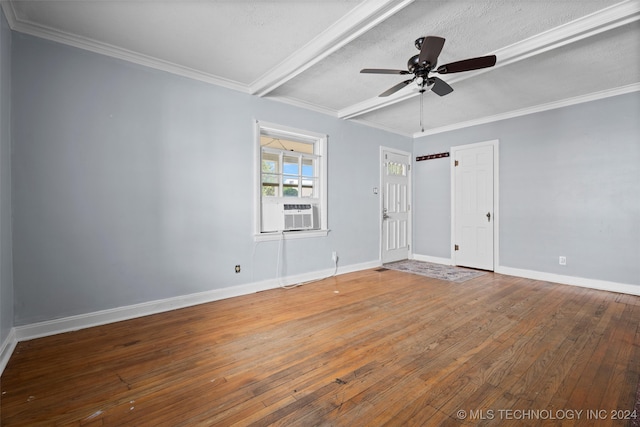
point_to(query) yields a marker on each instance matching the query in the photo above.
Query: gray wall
(569, 185)
(132, 185)
(6, 267)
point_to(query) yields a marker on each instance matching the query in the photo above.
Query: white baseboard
(359, 267)
(6, 349)
(602, 285)
(102, 317)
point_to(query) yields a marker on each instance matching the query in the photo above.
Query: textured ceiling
(309, 53)
(526, 84)
(471, 29)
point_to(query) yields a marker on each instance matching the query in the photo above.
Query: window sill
(287, 235)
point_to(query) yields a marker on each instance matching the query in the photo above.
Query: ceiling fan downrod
(422, 90)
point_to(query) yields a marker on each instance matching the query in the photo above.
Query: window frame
(319, 142)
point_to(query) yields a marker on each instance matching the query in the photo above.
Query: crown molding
(587, 26)
(360, 19)
(635, 87)
(113, 51)
(8, 11)
(304, 104)
(381, 127)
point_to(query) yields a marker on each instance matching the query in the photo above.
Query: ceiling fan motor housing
(419, 69)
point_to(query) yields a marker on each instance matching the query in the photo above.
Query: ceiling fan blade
(467, 65)
(431, 48)
(396, 88)
(440, 87)
(382, 71)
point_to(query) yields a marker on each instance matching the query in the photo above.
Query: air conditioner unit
(289, 217)
(299, 216)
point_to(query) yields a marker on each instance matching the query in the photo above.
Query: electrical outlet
(334, 256)
(562, 260)
(238, 268)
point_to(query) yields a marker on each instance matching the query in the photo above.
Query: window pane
(270, 174)
(290, 192)
(270, 184)
(308, 187)
(291, 166)
(285, 144)
(269, 178)
(308, 168)
(269, 190)
(396, 169)
(290, 186)
(270, 163)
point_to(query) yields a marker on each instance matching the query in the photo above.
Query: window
(398, 169)
(291, 180)
(288, 168)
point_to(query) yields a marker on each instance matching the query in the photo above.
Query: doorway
(395, 175)
(474, 210)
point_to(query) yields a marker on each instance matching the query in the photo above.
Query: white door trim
(381, 199)
(496, 199)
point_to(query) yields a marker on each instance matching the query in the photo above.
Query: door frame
(381, 162)
(496, 199)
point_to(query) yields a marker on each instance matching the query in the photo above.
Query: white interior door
(474, 213)
(396, 206)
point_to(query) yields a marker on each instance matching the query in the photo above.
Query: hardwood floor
(390, 348)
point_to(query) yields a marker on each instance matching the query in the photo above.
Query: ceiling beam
(360, 19)
(581, 28)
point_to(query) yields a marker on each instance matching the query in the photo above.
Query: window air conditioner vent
(298, 217)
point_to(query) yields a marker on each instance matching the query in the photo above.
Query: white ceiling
(309, 53)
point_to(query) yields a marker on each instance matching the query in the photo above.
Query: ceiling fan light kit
(424, 63)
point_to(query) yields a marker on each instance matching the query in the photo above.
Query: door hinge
(409, 168)
(456, 247)
(455, 163)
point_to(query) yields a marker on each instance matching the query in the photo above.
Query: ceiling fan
(425, 62)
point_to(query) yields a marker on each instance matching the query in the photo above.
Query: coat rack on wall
(432, 156)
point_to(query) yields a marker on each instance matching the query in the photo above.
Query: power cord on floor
(279, 276)
(335, 272)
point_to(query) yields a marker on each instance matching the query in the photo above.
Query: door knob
(488, 216)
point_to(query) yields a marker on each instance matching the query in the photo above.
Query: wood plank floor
(390, 348)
